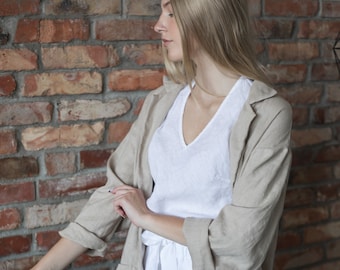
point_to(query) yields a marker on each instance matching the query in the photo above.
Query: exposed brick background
(73, 76)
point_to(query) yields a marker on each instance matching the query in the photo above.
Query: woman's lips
(166, 42)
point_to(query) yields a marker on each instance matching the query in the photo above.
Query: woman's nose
(159, 26)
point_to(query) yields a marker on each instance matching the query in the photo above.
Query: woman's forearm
(61, 255)
(170, 227)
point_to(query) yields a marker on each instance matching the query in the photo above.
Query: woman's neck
(212, 79)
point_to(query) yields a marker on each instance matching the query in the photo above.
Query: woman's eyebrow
(166, 4)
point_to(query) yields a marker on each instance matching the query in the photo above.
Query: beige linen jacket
(243, 235)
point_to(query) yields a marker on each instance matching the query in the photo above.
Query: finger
(123, 188)
(120, 211)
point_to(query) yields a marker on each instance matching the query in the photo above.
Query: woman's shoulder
(266, 97)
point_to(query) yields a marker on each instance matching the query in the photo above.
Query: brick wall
(73, 75)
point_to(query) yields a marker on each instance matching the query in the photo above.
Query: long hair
(222, 29)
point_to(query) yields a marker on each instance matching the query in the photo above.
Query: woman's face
(167, 27)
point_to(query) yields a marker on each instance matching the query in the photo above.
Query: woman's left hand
(130, 202)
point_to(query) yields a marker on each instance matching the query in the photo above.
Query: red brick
(143, 8)
(331, 9)
(14, 168)
(59, 163)
(328, 154)
(304, 216)
(288, 240)
(333, 93)
(16, 7)
(326, 115)
(299, 258)
(19, 263)
(302, 156)
(79, 184)
(311, 174)
(333, 249)
(47, 31)
(27, 31)
(337, 166)
(301, 94)
(110, 30)
(8, 142)
(38, 138)
(260, 47)
(13, 193)
(327, 193)
(291, 8)
(45, 240)
(326, 266)
(288, 73)
(299, 197)
(322, 233)
(118, 131)
(327, 53)
(335, 210)
(132, 80)
(7, 85)
(273, 29)
(9, 219)
(300, 116)
(25, 113)
(317, 29)
(325, 72)
(15, 244)
(68, 83)
(145, 54)
(38, 216)
(64, 30)
(17, 59)
(79, 57)
(92, 109)
(88, 7)
(94, 158)
(293, 51)
(311, 136)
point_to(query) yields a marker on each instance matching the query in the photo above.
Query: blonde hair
(222, 29)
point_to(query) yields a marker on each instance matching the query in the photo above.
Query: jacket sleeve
(97, 221)
(239, 237)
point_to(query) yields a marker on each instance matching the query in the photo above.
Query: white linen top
(191, 180)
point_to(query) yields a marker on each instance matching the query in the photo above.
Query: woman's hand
(130, 202)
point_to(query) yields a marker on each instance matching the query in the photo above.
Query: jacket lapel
(240, 132)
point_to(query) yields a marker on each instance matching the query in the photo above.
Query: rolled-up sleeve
(98, 221)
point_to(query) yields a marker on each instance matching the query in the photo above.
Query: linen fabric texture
(243, 235)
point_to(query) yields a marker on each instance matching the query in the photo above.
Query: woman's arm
(62, 254)
(130, 202)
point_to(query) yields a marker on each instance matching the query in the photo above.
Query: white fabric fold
(163, 254)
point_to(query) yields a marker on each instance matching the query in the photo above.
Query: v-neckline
(209, 123)
(205, 128)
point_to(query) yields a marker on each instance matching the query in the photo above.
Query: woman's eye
(170, 15)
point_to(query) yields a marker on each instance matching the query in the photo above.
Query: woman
(210, 151)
